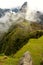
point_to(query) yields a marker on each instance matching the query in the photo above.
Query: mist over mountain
(17, 26)
(13, 16)
(9, 18)
(21, 32)
(24, 9)
(16, 9)
(35, 16)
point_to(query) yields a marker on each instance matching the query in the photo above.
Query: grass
(35, 46)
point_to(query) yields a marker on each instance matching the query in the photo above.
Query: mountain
(13, 16)
(4, 11)
(10, 19)
(15, 9)
(31, 15)
(35, 16)
(1, 13)
(23, 8)
(16, 30)
(19, 35)
(40, 16)
(20, 31)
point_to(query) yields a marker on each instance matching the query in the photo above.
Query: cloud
(33, 4)
(10, 3)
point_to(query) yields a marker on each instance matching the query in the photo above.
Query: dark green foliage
(17, 37)
(36, 34)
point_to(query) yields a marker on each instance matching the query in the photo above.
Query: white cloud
(36, 4)
(33, 4)
(10, 3)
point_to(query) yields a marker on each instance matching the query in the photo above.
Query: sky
(32, 4)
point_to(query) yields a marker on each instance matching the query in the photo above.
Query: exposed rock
(23, 8)
(26, 59)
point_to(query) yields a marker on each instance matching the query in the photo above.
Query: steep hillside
(20, 30)
(19, 36)
(35, 46)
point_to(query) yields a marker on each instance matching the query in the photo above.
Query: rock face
(26, 59)
(23, 8)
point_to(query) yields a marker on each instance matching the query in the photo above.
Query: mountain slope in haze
(11, 19)
(16, 10)
(35, 16)
(16, 30)
(19, 35)
(4, 11)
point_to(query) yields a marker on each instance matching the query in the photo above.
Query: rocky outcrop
(23, 8)
(26, 59)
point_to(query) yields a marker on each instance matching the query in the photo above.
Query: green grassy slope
(35, 46)
(19, 35)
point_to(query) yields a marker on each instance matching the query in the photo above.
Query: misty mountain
(10, 19)
(1, 12)
(40, 16)
(35, 16)
(4, 11)
(32, 15)
(24, 7)
(16, 10)
(15, 28)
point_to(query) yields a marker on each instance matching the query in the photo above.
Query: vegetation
(22, 37)
(18, 37)
(35, 46)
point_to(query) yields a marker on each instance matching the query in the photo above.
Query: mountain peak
(25, 4)
(23, 8)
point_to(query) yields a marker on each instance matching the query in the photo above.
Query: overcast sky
(33, 4)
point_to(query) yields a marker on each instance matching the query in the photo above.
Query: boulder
(26, 59)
